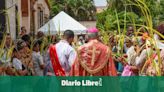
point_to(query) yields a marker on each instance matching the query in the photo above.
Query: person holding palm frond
(160, 28)
(23, 31)
(162, 59)
(20, 69)
(160, 45)
(37, 59)
(1, 64)
(130, 68)
(6, 47)
(9, 46)
(26, 56)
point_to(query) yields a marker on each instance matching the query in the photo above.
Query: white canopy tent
(62, 22)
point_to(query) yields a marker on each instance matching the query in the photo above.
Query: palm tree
(79, 9)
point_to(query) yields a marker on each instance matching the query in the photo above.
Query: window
(24, 8)
(40, 18)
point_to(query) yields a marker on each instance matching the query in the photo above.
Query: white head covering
(160, 45)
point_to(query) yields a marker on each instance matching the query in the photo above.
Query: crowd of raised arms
(82, 55)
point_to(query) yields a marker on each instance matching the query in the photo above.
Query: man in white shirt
(66, 54)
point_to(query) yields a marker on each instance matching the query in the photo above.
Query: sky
(100, 2)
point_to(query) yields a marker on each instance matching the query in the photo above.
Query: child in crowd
(17, 64)
(37, 59)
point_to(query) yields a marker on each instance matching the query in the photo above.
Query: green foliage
(107, 19)
(78, 9)
(137, 13)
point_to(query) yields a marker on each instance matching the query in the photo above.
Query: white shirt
(160, 45)
(4, 59)
(131, 53)
(17, 64)
(37, 60)
(66, 55)
(140, 60)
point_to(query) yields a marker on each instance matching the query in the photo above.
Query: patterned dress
(26, 58)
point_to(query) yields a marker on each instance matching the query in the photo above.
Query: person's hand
(25, 72)
(137, 49)
(10, 71)
(134, 69)
(125, 56)
(22, 73)
(1, 70)
(30, 65)
(119, 59)
(122, 61)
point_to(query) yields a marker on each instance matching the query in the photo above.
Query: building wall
(19, 12)
(11, 17)
(88, 24)
(2, 16)
(26, 23)
(26, 18)
(101, 9)
(41, 4)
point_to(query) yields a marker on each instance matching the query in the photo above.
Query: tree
(107, 19)
(79, 9)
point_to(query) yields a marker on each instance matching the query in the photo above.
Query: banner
(82, 84)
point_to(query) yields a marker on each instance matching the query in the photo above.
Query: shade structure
(62, 22)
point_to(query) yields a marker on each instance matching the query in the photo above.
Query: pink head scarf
(93, 30)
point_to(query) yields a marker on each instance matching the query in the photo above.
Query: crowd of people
(54, 56)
